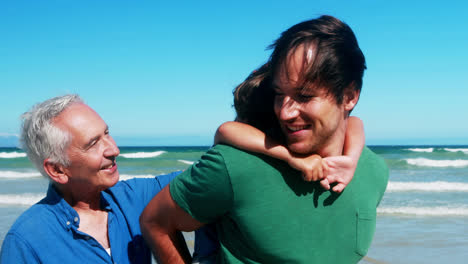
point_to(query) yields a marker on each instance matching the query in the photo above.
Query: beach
(423, 217)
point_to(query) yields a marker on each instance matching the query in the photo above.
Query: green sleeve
(204, 190)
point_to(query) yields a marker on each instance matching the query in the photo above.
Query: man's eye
(92, 144)
(304, 97)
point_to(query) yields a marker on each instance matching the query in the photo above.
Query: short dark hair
(338, 63)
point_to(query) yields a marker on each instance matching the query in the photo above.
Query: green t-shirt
(266, 213)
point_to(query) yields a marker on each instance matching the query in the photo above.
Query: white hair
(40, 138)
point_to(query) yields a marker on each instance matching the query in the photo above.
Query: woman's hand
(339, 170)
(311, 167)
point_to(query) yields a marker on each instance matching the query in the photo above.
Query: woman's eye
(276, 92)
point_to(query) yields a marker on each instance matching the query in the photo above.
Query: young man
(264, 212)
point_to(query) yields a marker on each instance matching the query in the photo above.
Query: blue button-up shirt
(48, 231)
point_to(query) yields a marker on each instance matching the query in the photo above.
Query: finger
(324, 183)
(339, 187)
(320, 174)
(325, 166)
(306, 177)
(332, 178)
(330, 163)
(315, 175)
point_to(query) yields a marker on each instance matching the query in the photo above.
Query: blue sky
(162, 72)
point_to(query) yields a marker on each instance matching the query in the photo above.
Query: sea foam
(186, 161)
(142, 155)
(437, 163)
(20, 199)
(12, 155)
(464, 150)
(18, 175)
(421, 149)
(124, 177)
(436, 186)
(424, 211)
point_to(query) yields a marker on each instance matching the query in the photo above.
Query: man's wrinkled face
(91, 152)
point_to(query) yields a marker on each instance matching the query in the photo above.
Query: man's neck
(335, 143)
(79, 198)
(93, 219)
(94, 223)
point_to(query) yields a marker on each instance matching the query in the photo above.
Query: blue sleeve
(16, 250)
(166, 179)
(139, 191)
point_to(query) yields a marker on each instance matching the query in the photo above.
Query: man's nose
(111, 148)
(289, 109)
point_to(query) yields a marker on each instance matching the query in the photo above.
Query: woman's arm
(340, 169)
(355, 138)
(252, 139)
(249, 138)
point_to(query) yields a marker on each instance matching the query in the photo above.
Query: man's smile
(111, 167)
(295, 128)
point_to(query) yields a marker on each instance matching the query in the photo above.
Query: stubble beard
(314, 145)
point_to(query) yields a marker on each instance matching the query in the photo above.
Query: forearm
(251, 139)
(160, 228)
(167, 246)
(354, 138)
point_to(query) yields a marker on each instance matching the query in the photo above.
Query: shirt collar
(67, 216)
(105, 201)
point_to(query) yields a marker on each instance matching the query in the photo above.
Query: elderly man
(88, 216)
(264, 212)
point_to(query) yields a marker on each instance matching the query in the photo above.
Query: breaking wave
(421, 149)
(464, 150)
(18, 175)
(437, 163)
(142, 155)
(12, 155)
(424, 211)
(186, 162)
(436, 186)
(20, 199)
(124, 177)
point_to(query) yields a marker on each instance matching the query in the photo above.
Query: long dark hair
(253, 100)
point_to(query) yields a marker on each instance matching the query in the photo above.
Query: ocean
(423, 217)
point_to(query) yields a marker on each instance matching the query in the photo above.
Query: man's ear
(55, 171)
(350, 99)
